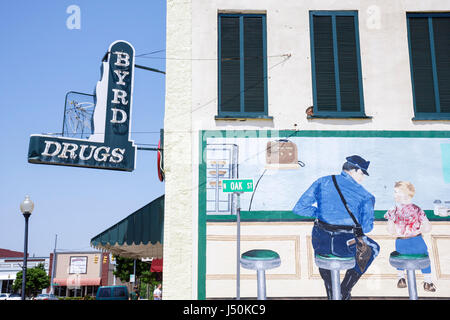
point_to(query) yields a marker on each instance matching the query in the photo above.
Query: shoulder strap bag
(363, 250)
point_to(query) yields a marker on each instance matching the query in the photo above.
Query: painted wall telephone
(282, 154)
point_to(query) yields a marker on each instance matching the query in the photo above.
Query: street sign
(109, 145)
(237, 185)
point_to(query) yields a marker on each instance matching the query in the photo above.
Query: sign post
(238, 186)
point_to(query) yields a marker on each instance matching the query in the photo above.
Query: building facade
(280, 93)
(79, 274)
(11, 262)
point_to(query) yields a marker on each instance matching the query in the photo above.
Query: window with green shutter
(242, 65)
(336, 64)
(429, 50)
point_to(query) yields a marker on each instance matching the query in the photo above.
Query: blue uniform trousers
(335, 240)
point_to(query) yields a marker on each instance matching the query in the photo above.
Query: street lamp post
(26, 207)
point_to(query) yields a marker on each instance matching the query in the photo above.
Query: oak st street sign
(237, 185)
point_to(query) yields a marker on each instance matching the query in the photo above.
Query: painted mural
(406, 183)
(290, 164)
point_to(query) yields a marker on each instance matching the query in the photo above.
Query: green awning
(140, 235)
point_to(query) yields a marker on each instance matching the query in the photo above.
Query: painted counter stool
(260, 260)
(410, 263)
(335, 264)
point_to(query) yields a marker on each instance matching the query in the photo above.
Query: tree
(151, 280)
(125, 267)
(37, 279)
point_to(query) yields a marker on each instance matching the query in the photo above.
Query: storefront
(11, 262)
(79, 274)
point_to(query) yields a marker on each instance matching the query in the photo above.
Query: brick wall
(105, 268)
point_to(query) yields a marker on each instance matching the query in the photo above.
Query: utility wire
(286, 57)
(145, 54)
(251, 200)
(78, 133)
(215, 59)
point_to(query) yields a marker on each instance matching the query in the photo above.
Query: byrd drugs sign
(109, 146)
(237, 185)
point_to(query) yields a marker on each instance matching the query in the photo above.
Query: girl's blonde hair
(406, 187)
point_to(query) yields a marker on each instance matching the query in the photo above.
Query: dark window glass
(242, 60)
(336, 64)
(429, 44)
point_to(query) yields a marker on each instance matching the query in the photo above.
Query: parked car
(4, 296)
(14, 296)
(112, 293)
(46, 296)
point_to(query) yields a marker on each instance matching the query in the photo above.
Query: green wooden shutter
(229, 64)
(441, 34)
(348, 63)
(253, 64)
(421, 62)
(324, 64)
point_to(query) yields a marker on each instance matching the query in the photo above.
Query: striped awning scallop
(76, 281)
(140, 235)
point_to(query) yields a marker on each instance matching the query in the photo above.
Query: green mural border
(277, 215)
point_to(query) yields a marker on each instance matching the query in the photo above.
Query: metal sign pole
(238, 247)
(52, 288)
(236, 187)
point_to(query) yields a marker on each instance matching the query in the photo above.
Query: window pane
(253, 65)
(104, 292)
(229, 64)
(441, 32)
(119, 292)
(421, 65)
(348, 63)
(324, 63)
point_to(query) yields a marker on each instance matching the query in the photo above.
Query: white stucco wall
(178, 244)
(384, 58)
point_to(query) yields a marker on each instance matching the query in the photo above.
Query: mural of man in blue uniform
(333, 228)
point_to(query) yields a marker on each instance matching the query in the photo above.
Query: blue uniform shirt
(330, 208)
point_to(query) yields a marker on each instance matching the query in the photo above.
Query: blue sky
(42, 59)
